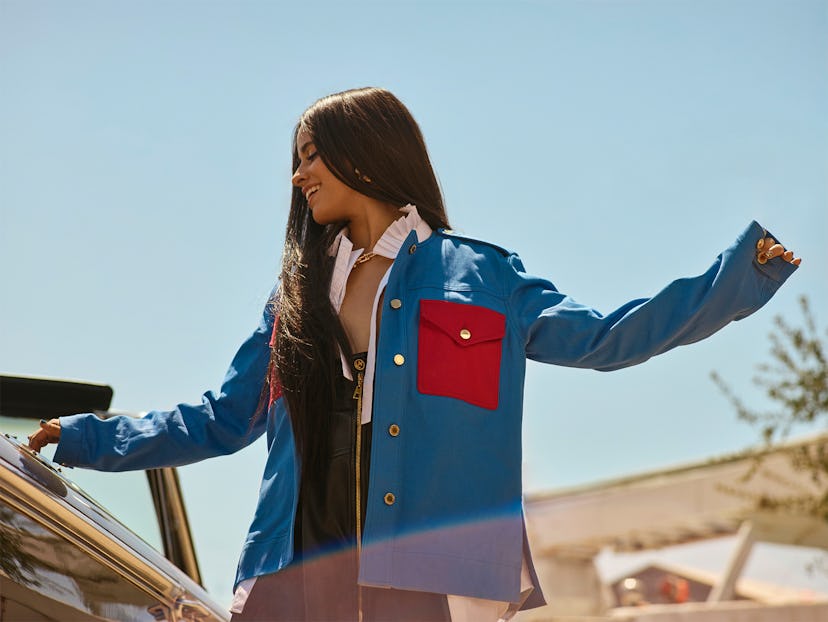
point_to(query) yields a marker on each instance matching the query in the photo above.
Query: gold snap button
(465, 334)
(394, 429)
(359, 364)
(389, 498)
(412, 249)
(399, 359)
(396, 303)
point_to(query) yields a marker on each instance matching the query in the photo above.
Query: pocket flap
(463, 323)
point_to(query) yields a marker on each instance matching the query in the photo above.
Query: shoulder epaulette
(451, 233)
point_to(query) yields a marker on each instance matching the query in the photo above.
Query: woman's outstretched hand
(767, 249)
(49, 432)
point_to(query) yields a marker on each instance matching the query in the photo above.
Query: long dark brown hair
(370, 130)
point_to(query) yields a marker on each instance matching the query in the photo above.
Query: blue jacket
(460, 318)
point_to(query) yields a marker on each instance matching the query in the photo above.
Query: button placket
(393, 430)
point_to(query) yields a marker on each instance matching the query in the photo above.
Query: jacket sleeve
(220, 424)
(561, 331)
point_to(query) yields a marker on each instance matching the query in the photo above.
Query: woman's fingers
(36, 441)
(767, 249)
(774, 250)
(763, 247)
(789, 257)
(49, 432)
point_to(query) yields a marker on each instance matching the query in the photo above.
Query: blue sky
(616, 145)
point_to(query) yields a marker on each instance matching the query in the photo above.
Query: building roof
(680, 504)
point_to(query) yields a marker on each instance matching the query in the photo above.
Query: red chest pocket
(459, 351)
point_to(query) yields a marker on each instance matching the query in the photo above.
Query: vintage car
(63, 556)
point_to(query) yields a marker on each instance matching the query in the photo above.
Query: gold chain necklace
(364, 257)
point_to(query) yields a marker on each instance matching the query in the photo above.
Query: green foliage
(795, 384)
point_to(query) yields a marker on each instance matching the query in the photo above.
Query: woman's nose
(298, 177)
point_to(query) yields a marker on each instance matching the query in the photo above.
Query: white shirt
(462, 608)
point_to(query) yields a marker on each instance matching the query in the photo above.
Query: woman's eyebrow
(304, 147)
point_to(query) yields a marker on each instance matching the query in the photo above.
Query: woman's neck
(367, 227)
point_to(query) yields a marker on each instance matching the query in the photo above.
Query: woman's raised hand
(49, 432)
(767, 248)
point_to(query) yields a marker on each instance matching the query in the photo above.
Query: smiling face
(327, 197)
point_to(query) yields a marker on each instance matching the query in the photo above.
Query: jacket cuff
(71, 444)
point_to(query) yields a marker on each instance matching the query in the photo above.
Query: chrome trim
(48, 498)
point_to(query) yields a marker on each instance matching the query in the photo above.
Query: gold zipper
(357, 476)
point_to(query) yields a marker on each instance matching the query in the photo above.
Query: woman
(388, 374)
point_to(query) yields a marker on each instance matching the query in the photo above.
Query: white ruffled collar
(392, 240)
(388, 246)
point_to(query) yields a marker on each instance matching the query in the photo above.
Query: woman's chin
(323, 217)
(319, 218)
